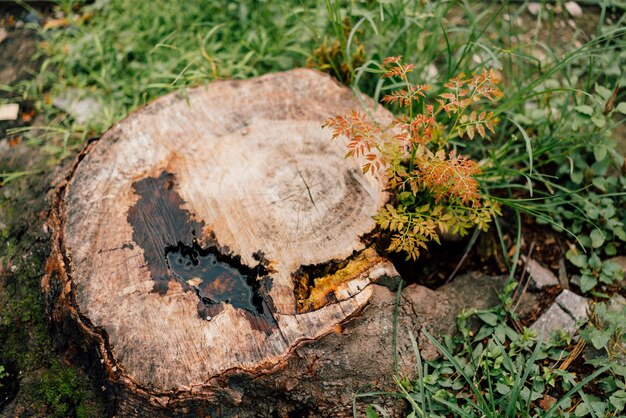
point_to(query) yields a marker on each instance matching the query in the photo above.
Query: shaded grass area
(123, 54)
(554, 158)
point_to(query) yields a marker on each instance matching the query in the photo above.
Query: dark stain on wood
(167, 234)
(158, 222)
(221, 278)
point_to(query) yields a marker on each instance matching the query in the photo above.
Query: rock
(76, 103)
(541, 276)
(430, 73)
(616, 303)
(565, 314)
(573, 304)
(18, 56)
(573, 9)
(9, 111)
(554, 319)
(3, 34)
(533, 8)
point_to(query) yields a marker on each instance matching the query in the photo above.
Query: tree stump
(208, 247)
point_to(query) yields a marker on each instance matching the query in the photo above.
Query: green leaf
(603, 92)
(577, 177)
(599, 153)
(616, 157)
(620, 233)
(585, 110)
(599, 338)
(587, 282)
(484, 332)
(621, 108)
(612, 269)
(500, 333)
(489, 318)
(599, 121)
(610, 249)
(502, 388)
(579, 260)
(371, 412)
(618, 400)
(595, 262)
(597, 238)
(581, 410)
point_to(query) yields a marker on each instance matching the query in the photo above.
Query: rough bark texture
(209, 257)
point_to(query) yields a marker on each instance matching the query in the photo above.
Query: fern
(443, 191)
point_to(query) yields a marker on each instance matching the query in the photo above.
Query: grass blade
(576, 389)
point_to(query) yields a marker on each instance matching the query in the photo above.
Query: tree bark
(211, 253)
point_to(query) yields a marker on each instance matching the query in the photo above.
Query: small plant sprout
(436, 189)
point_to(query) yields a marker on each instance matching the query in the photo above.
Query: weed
(595, 271)
(606, 332)
(501, 376)
(436, 188)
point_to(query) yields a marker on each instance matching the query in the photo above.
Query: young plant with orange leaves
(436, 188)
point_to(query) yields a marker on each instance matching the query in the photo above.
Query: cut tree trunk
(210, 252)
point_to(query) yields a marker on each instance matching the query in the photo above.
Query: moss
(47, 387)
(64, 391)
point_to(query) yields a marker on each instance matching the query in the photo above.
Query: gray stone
(82, 107)
(554, 319)
(616, 303)
(573, 304)
(541, 276)
(18, 56)
(566, 313)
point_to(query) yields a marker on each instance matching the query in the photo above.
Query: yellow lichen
(323, 292)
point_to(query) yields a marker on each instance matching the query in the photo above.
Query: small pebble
(573, 9)
(540, 275)
(533, 8)
(430, 72)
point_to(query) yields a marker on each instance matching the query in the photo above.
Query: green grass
(554, 157)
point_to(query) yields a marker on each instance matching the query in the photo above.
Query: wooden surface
(216, 231)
